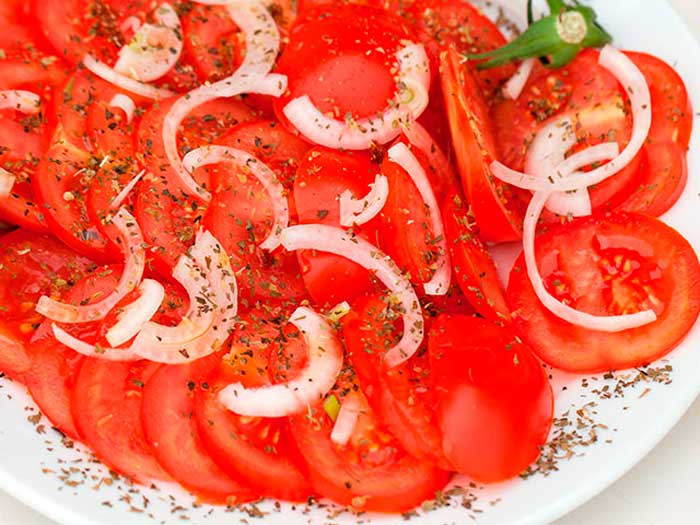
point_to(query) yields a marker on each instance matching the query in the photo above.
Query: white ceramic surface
(635, 423)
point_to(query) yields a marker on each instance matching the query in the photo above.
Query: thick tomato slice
(495, 401)
(609, 264)
(474, 269)
(171, 430)
(106, 406)
(372, 472)
(258, 450)
(31, 265)
(343, 58)
(399, 396)
(322, 176)
(497, 208)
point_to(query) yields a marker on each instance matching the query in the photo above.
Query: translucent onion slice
(154, 49)
(25, 102)
(131, 242)
(616, 323)
(262, 46)
(346, 421)
(142, 89)
(409, 103)
(210, 282)
(629, 75)
(126, 104)
(209, 155)
(337, 241)
(419, 137)
(360, 211)
(137, 314)
(313, 383)
(404, 157)
(96, 351)
(122, 195)
(515, 85)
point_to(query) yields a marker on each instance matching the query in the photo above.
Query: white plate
(32, 463)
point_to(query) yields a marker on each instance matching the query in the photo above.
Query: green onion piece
(556, 39)
(332, 406)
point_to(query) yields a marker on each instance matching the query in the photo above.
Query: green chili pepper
(555, 39)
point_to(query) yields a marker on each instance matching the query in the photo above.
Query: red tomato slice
(322, 176)
(399, 396)
(497, 209)
(31, 265)
(474, 269)
(497, 415)
(171, 430)
(608, 265)
(342, 57)
(372, 472)
(258, 450)
(107, 410)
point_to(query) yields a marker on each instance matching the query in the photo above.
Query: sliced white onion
(137, 314)
(419, 137)
(515, 85)
(28, 103)
(615, 323)
(105, 72)
(121, 197)
(629, 75)
(409, 103)
(346, 421)
(214, 154)
(262, 46)
(86, 349)
(126, 104)
(337, 241)
(313, 383)
(131, 242)
(154, 49)
(132, 23)
(209, 280)
(361, 211)
(273, 85)
(404, 157)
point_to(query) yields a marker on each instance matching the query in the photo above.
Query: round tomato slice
(258, 450)
(343, 58)
(400, 396)
(322, 177)
(498, 209)
(497, 415)
(372, 472)
(170, 428)
(31, 265)
(610, 264)
(106, 406)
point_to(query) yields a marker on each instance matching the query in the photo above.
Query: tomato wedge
(170, 428)
(608, 265)
(497, 415)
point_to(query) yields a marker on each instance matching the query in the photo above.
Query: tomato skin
(496, 208)
(495, 401)
(598, 269)
(167, 413)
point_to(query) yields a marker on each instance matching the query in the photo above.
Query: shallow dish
(604, 424)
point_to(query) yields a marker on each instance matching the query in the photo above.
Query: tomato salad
(248, 245)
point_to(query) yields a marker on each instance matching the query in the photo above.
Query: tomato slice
(474, 269)
(496, 417)
(399, 396)
(372, 472)
(608, 265)
(31, 265)
(106, 406)
(258, 450)
(342, 57)
(322, 176)
(171, 430)
(498, 209)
